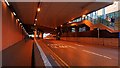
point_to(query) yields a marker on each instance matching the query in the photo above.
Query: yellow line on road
(59, 58)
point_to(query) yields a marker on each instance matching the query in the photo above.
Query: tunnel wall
(11, 31)
(111, 42)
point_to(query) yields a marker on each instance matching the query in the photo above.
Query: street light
(98, 32)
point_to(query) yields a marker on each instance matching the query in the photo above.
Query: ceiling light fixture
(83, 16)
(14, 13)
(69, 22)
(38, 9)
(55, 27)
(34, 24)
(18, 19)
(35, 19)
(20, 23)
(7, 3)
(21, 26)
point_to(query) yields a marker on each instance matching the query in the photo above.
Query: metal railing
(100, 19)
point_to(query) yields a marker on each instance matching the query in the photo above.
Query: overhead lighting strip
(7, 3)
(37, 11)
(13, 11)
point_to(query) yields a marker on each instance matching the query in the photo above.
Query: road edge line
(44, 57)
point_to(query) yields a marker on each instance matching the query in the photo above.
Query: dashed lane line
(96, 54)
(78, 45)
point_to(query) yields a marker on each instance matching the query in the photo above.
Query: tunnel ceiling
(53, 14)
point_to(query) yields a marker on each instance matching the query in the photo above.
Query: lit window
(73, 30)
(84, 29)
(81, 29)
(32, 35)
(99, 12)
(46, 34)
(80, 19)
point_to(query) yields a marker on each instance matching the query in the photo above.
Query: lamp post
(98, 29)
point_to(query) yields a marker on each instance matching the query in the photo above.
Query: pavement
(19, 54)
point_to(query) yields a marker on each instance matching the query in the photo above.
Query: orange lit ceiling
(53, 14)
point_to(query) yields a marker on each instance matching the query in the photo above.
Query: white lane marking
(97, 54)
(60, 46)
(78, 45)
(55, 47)
(44, 57)
(72, 47)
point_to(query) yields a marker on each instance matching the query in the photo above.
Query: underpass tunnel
(60, 34)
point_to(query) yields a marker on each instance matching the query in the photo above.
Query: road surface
(76, 54)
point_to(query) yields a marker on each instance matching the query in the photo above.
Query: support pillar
(41, 35)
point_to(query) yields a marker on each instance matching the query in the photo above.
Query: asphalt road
(76, 54)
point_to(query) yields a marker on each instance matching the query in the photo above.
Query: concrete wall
(11, 31)
(94, 41)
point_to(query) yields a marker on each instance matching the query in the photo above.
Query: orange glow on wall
(72, 19)
(4, 4)
(10, 31)
(19, 25)
(12, 15)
